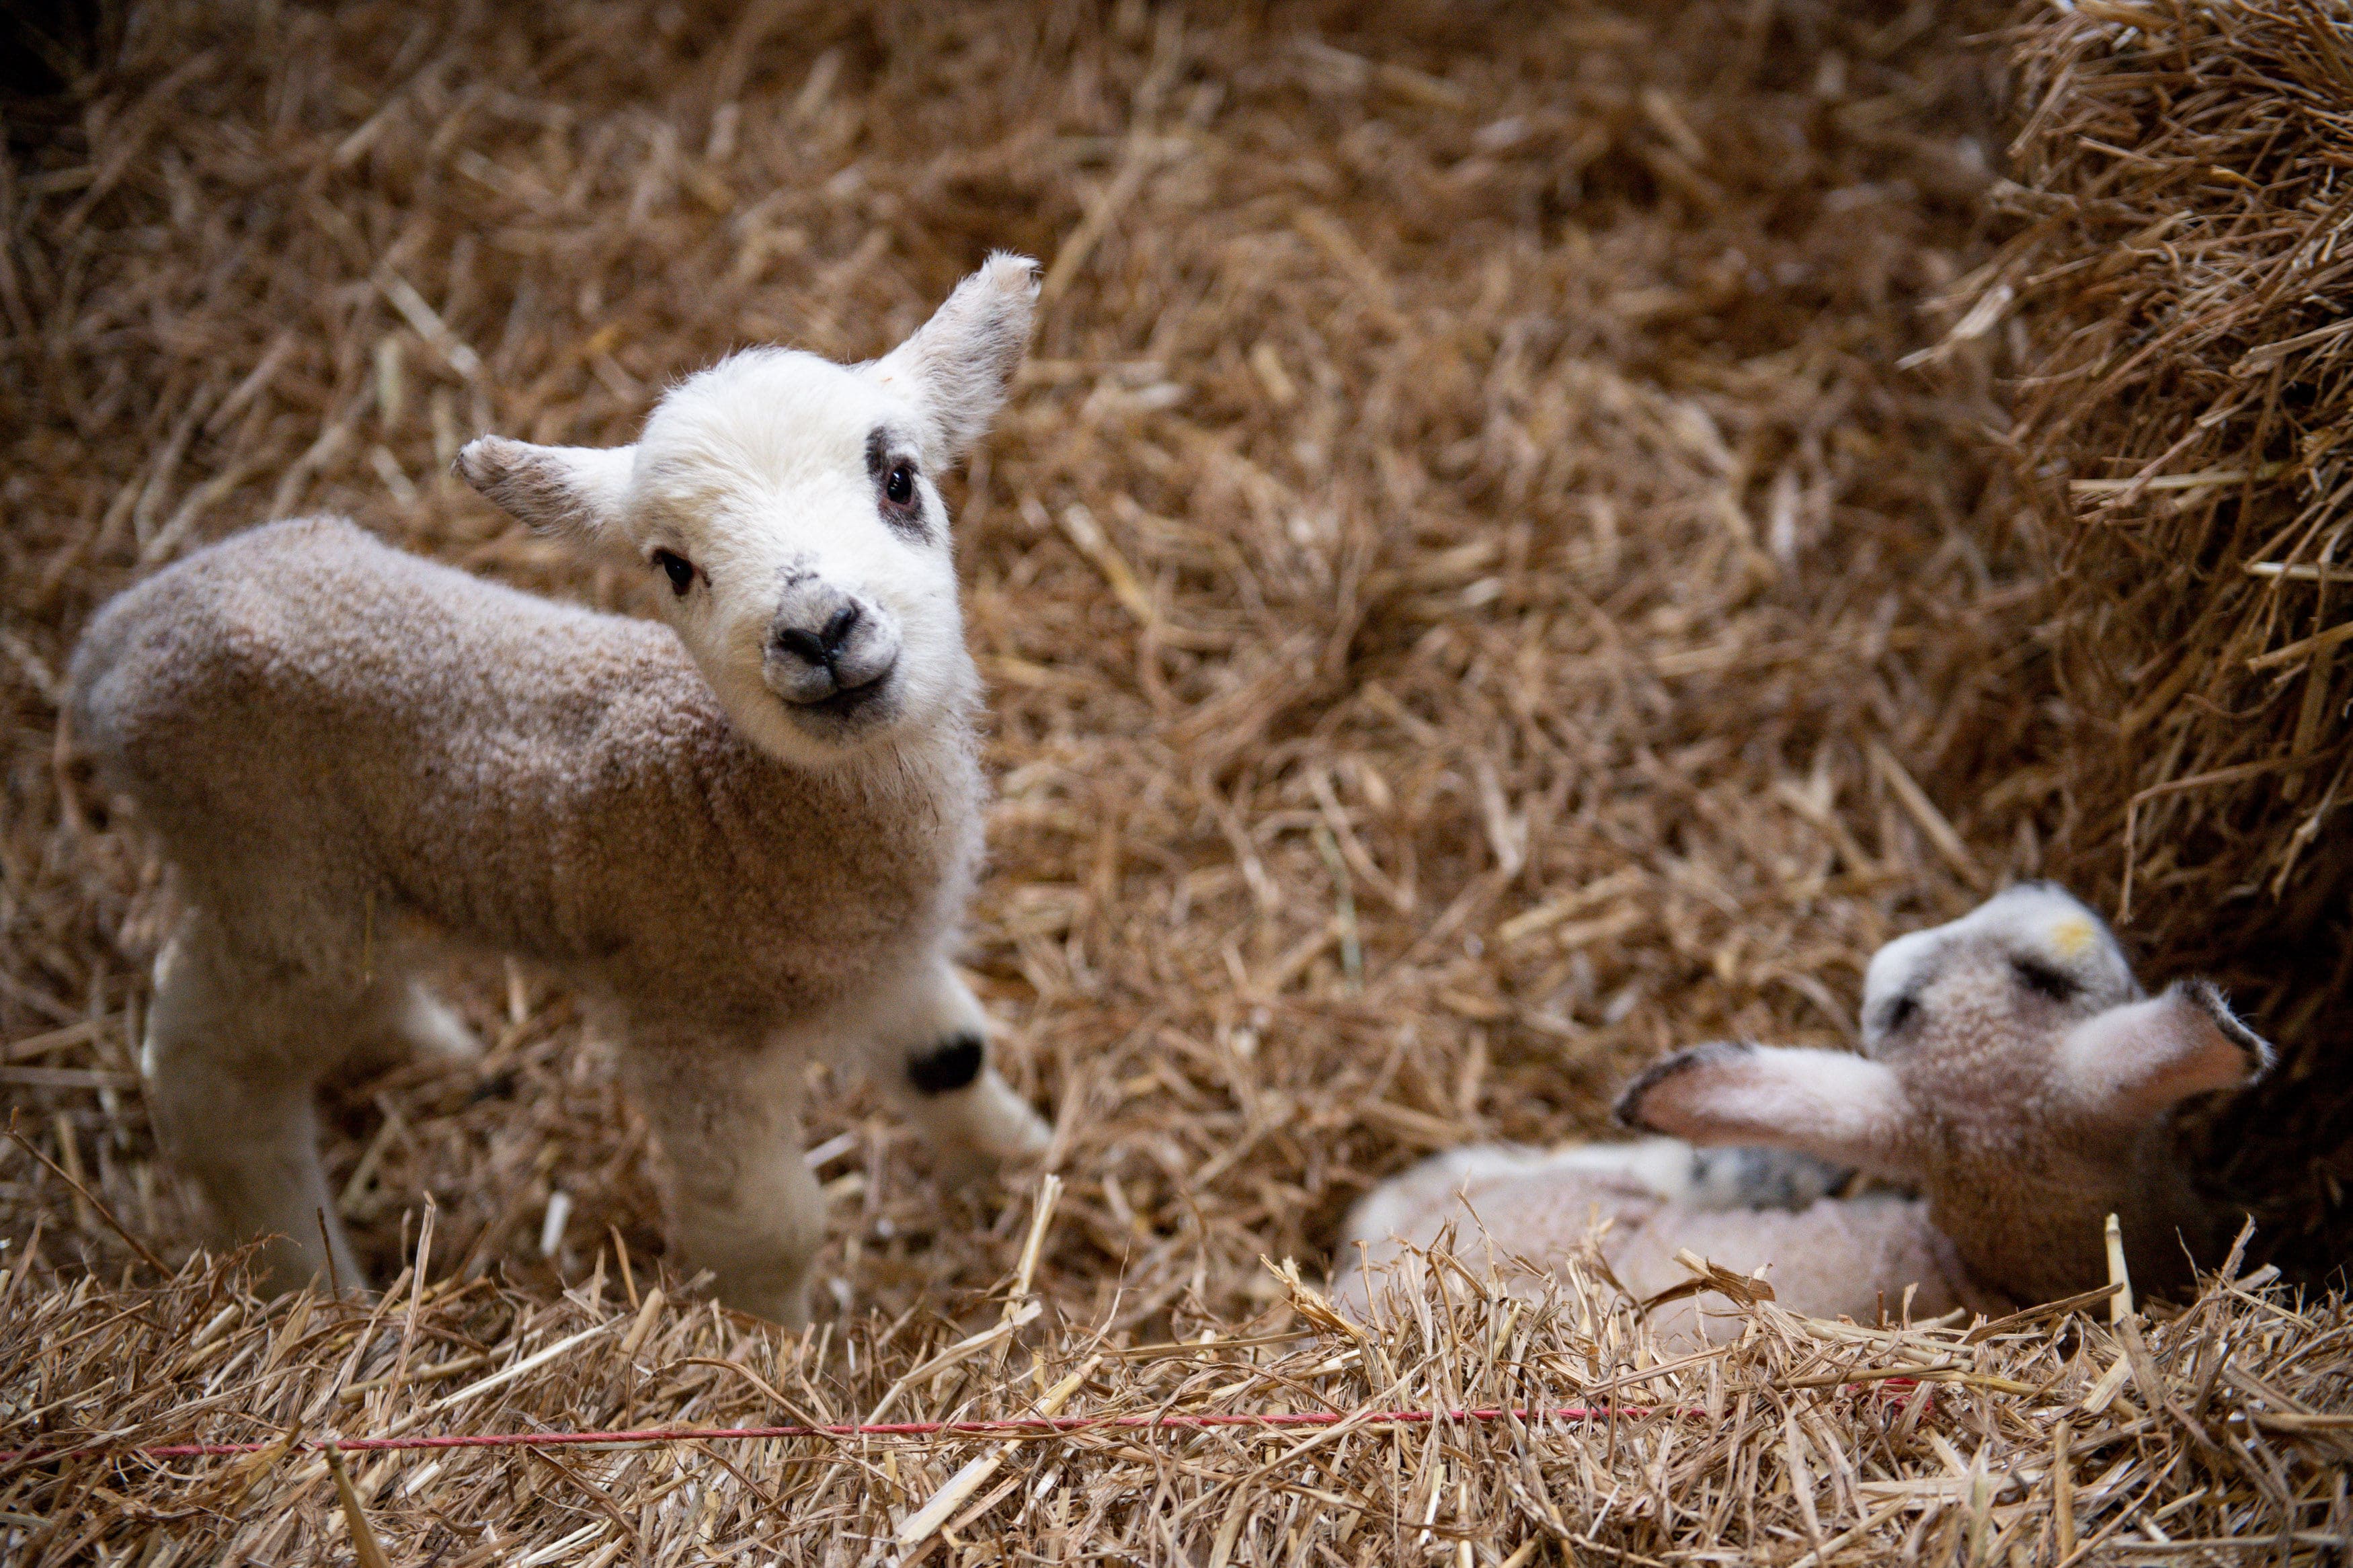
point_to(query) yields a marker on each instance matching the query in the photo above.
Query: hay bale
(2184, 402)
(2187, 394)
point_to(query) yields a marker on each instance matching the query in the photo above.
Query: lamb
(2013, 1071)
(745, 834)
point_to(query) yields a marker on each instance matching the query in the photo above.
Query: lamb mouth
(844, 705)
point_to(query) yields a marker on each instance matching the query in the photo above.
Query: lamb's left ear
(2133, 1061)
(573, 493)
(1841, 1108)
(958, 364)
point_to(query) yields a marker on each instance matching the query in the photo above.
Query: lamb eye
(1900, 1012)
(680, 571)
(2045, 980)
(899, 486)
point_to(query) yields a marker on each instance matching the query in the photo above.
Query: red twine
(1017, 1426)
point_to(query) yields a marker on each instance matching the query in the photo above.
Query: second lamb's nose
(823, 647)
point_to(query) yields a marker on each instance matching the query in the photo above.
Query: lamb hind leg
(229, 1059)
(404, 1021)
(740, 1199)
(931, 1053)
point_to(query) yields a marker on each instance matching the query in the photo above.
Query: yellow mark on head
(2071, 936)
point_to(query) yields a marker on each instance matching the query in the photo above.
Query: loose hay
(1467, 605)
(2199, 1440)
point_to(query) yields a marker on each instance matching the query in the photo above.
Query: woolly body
(746, 835)
(1493, 1205)
(422, 750)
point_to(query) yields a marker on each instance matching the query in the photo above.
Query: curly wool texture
(414, 745)
(1524, 1216)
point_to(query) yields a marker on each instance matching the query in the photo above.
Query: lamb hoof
(434, 1032)
(1032, 1136)
(971, 1165)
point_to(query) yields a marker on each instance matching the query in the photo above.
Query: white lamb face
(2014, 1065)
(2031, 959)
(786, 509)
(785, 506)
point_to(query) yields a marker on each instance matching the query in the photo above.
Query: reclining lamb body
(747, 835)
(2014, 1073)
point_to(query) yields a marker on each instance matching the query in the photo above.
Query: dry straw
(2184, 398)
(1469, 602)
(2186, 193)
(2044, 1438)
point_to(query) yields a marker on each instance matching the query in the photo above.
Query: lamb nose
(802, 645)
(819, 649)
(837, 630)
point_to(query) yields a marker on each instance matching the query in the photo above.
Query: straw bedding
(2206, 1440)
(1469, 601)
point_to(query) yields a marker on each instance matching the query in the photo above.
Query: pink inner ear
(1839, 1107)
(2133, 1061)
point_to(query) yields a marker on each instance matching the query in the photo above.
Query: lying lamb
(748, 835)
(2014, 1072)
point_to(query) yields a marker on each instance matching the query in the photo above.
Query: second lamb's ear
(957, 366)
(1837, 1107)
(2133, 1061)
(573, 493)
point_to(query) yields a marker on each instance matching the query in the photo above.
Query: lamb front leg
(740, 1199)
(931, 1052)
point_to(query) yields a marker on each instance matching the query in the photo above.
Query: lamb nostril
(837, 629)
(803, 646)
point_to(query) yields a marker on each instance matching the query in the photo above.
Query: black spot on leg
(947, 1066)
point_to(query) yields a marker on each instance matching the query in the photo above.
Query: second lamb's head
(2016, 1073)
(786, 510)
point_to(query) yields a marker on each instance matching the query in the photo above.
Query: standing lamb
(747, 835)
(2014, 1072)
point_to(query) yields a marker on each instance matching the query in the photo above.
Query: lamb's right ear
(573, 493)
(958, 365)
(2133, 1061)
(1841, 1108)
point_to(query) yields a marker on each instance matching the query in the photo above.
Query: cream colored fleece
(1833, 1257)
(338, 741)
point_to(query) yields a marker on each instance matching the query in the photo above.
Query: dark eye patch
(895, 476)
(2045, 981)
(1900, 1012)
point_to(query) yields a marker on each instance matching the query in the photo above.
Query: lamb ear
(573, 493)
(2133, 1061)
(958, 365)
(1836, 1107)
